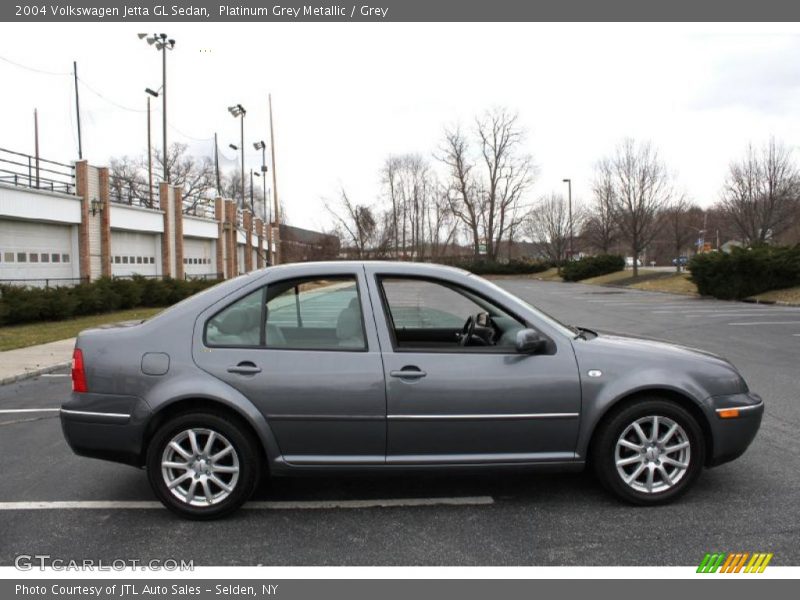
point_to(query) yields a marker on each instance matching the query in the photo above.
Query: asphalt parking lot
(752, 504)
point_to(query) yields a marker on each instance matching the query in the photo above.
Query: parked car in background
(373, 366)
(680, 261)
(629, 261)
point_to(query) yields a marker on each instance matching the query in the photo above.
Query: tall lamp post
(569, 202)
(162, 43)
(238, 111)
(263, 147)
(154, 94)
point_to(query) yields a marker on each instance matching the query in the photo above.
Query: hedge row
(482, 266)
(30, 304)
(592, 266)
(746, 272)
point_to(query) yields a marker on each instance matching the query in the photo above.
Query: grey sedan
(373, 366)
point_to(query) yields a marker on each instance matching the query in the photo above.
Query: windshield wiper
(582, 331)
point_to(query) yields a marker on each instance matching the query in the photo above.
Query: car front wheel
(202, 465)
(650, 452)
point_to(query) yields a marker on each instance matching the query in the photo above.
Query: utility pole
(77, 109)
(36, 142)
(216, 164)
(569, 196)
(149, 157)
(277, 216)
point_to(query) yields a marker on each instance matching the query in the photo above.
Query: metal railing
(202, 207)
(46, 282)
(133, 193)
(25, 170)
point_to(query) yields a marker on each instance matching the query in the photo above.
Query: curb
(34, 373)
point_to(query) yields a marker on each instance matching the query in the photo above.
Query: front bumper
(109, 427)
(733, 435)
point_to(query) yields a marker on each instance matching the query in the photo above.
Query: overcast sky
(347, 95)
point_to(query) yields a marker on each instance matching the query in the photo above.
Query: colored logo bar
(738, 562)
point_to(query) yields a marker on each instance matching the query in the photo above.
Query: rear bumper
(108, 427)
(732, 436)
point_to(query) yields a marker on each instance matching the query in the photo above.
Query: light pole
(237, 110)
(263, 147)
(163, 44)
(154, 94)
(569, 201)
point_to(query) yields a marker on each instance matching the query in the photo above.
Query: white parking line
(768, 323)
(12, 411)
(257, 505)
(54, 375)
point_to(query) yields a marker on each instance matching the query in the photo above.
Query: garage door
(134, 253)
(35, 252)
(199, 257)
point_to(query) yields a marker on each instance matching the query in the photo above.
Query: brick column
(219, 215)
(247, 224)
(231, 254)
(82, 190)
(105, 222)
(177, 205)
(260, 242)
(166, 236)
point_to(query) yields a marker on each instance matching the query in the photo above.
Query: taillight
(78, 372)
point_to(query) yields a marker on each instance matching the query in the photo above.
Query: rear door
(301, 350)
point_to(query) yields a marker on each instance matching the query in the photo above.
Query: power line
(109, 100)
(33, 69)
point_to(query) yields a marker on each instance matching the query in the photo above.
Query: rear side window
(239, 324)
(315, 314)
(299, 314)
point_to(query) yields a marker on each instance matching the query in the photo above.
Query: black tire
(604, 452)
(246, 453)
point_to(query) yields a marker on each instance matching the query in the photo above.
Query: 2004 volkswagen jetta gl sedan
(359, 366)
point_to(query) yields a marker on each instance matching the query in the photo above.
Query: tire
(675, 461)
(207, 482)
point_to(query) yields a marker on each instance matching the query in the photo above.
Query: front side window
(433, 315)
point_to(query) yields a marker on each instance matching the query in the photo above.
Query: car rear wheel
(203, 465)
(650, 452)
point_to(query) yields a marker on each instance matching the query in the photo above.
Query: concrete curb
(34, 373)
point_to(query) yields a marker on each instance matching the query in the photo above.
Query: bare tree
(465, 202)
(127, 181)
(761, 192)
(356, 223)
(642, 189)
(508, 174)
(678, 220)
(196, 176)
(547, 225)
(601, 227)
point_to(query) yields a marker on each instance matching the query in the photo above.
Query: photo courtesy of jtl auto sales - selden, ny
(403, 299)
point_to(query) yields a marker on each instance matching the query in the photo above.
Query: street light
(263, 147)
(162, 43)
(237, 110)
(154, 94)
(569, 196)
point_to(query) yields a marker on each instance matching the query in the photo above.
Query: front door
(302, 352)
(475, 400)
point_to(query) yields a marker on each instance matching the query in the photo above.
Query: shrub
(592, 266)
(482, 266)
(746, 272)
(29, 304)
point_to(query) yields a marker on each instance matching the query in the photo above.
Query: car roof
(398, 267)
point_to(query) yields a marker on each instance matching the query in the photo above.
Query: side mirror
(529, 341)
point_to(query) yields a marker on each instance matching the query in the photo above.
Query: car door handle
(408, 373)
(245, 368)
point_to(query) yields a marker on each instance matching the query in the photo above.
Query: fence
(46, 282)
(35, 172)
(133, 192)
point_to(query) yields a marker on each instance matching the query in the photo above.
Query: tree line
(473, 195)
